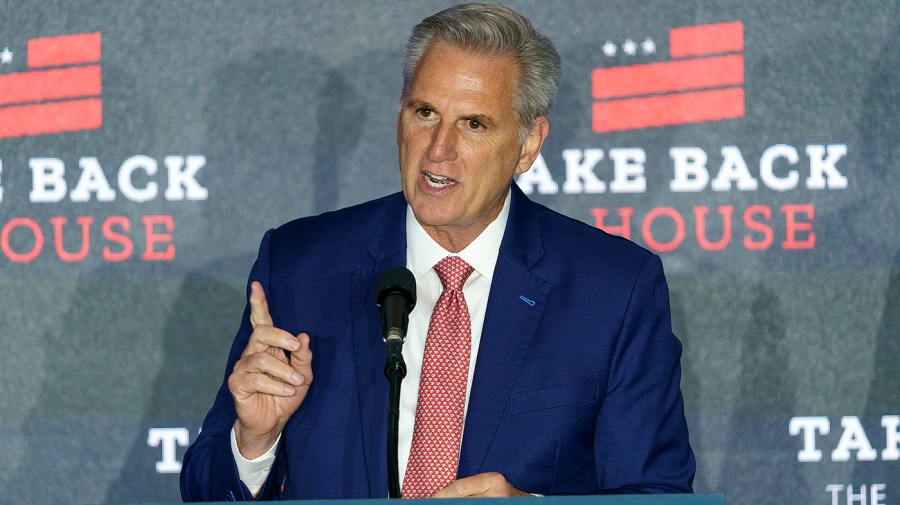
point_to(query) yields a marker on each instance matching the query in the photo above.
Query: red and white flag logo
(60, 91)
(703, 82)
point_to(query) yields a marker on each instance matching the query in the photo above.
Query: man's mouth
(438, 181)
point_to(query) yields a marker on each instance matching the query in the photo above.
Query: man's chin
(433, 221)
(435, 218)
(431, 212)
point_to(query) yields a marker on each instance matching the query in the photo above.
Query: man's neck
(453, 239)
(423, 250)
(456, 238)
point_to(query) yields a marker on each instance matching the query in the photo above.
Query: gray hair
(493, 30)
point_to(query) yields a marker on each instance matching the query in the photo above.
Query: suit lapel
(515, 305)
(387, 247)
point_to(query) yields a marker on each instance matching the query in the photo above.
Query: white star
(629, 47)
(6, 56)
(609, 49)
(648, 46)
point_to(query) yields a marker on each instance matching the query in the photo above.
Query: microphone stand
(396, 297)
(395, 371)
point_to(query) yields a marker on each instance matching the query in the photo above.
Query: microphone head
(397, 280)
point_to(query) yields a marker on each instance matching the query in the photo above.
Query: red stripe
(701, 40)
(40, 85)
(666, 110)
(665, 77)
(64, 50)
(55, 117)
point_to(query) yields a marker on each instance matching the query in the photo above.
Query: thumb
(301, 359)
(259, 307)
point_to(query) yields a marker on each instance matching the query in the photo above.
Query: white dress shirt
(422, 253)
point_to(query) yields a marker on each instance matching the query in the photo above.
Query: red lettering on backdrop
(158, 235)
(647, 234)
(17, 257)
(118, 238)
(622, 230)
(85, 222)
(792, 226)
(152, 238)
(761, 227)
(758, 231)
(727, 211)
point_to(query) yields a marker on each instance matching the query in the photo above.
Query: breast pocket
(554, 397)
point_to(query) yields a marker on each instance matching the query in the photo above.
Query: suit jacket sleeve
(209, 472)
(641, 443)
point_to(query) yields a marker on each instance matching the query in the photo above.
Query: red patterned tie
(434, 455)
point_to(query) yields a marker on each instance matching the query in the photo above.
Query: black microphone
(396, 298)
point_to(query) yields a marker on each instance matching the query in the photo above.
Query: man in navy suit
(573, 377)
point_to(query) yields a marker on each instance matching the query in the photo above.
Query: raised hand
(269, 381)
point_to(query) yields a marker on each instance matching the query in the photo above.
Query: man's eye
(424, 112)
(474, 124)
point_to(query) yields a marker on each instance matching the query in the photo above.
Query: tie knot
(453, 272)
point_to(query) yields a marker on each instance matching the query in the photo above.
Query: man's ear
(531, 147)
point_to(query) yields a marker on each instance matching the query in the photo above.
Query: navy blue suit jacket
(576, 385)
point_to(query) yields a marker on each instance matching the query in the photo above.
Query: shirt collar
(422, 252)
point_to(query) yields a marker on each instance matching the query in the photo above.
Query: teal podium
(630, 499)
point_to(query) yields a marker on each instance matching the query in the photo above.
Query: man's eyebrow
(419, 104)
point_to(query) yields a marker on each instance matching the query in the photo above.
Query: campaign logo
(60, 90)
(702, 82)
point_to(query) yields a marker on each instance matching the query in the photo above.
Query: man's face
(457, 135)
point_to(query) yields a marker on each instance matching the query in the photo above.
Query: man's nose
(443, 143)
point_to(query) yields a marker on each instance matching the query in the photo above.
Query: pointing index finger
(259, 307)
